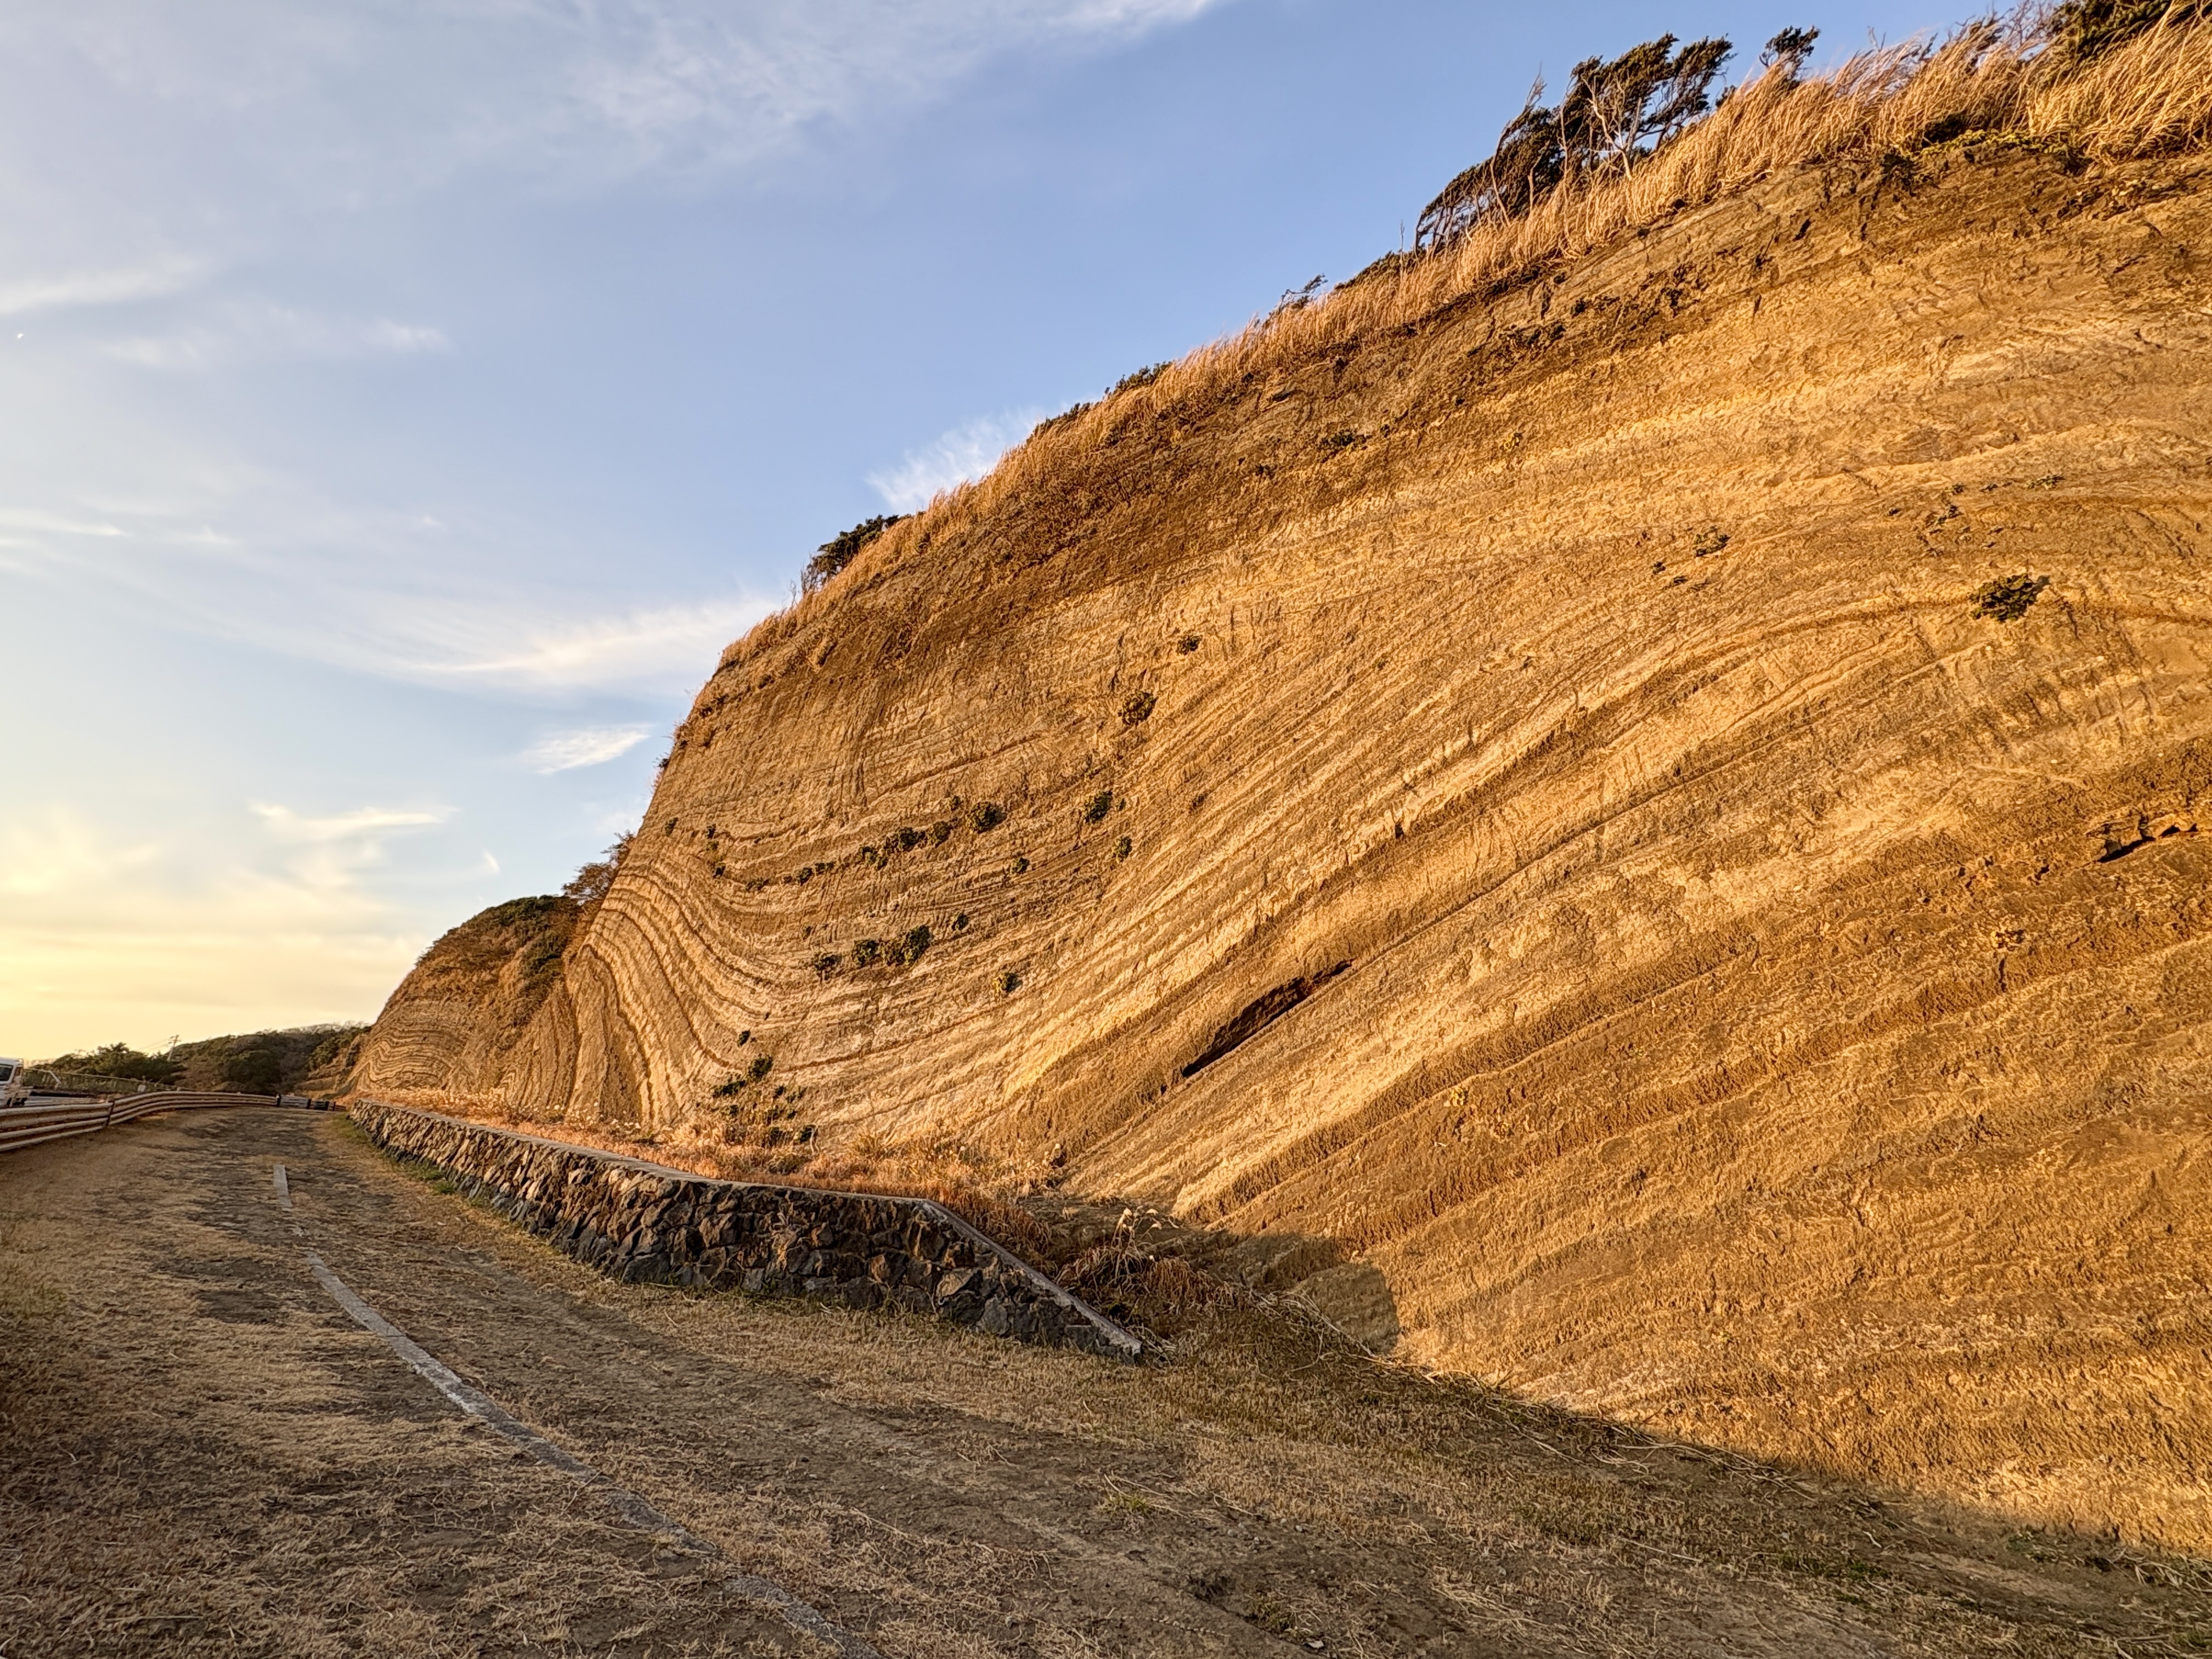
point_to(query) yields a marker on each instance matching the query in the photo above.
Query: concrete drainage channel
(643, 1223)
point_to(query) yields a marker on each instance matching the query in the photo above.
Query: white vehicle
(13, 1084)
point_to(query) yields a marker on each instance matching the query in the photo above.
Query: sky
(402, 402)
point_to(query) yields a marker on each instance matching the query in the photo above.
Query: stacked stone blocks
(645, 1224)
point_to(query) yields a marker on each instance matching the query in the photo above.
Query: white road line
(632, 1509)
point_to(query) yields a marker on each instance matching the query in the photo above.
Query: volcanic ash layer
(1646, 827)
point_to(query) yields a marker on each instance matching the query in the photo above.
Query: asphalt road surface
(203, 1449)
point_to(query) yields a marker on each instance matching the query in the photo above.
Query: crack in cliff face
(1256, 1016)
(1769, 962)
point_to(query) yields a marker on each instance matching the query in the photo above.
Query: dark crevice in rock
(1258, 1016)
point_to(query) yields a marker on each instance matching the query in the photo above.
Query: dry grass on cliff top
(2151, 97)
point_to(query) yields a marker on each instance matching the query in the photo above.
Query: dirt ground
(200, 1453)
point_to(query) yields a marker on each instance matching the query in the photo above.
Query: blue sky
(402, 402)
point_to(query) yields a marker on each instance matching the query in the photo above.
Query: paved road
(202, 1451)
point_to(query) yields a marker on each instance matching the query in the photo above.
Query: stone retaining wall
(642, 1223)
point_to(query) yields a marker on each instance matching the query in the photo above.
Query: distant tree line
(252, 1063)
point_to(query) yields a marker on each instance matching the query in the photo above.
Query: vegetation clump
(985, 816)
(253, 1062)
(1136, 378)
(1095, 809)
(121, 1059)
(1073, 412)
(590, 884)
(738, 1081)
(867, 952)
(2082, 31)
(907, 950)
(834, 554)
(1616, 113)
(1165, 1294)
(749, 1121)
(2008, 598)
(1139, 708)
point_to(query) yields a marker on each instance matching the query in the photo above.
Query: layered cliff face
(1645, 825)
(470, 998)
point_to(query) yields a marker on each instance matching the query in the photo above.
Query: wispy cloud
(247, 330)
(364, 822)
(154, 281)
(104, 938)
(953, 458)
(454, 599)
(613, 650)
(583, 90)
(564, 751)
(31, 520)
(699, 84)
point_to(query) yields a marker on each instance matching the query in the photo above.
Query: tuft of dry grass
(1990, 78)
(2151, 97)
(1166, 1294)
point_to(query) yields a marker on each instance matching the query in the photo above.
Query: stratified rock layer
(1527, 805)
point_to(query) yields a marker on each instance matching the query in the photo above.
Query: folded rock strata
(1539, 805)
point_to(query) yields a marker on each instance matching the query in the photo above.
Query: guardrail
(54, 1119)
(46, 1080)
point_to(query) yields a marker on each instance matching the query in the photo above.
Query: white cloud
(564, 751)
(687, 82)
(32, 521)
(675, 642)
(103, 938)
(58, 854)
(454, 599)
(288, 826)
(243, 331)
(99, 287)
(369, 100)
(965, 452)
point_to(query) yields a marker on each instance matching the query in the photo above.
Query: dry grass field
(1620, 805)
(201, 1455)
